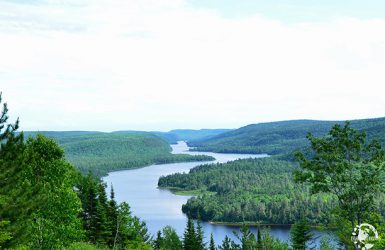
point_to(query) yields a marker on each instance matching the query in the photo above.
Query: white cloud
(148, 64)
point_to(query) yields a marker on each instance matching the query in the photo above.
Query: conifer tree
(189, 239)
(158, 242)
(246, 238)
(226, 244)
(102, 224)
(212, 243)
(112, 217)
(201, 245)
(300, 235)
(88, 194)
(259, 239)
(11, 148)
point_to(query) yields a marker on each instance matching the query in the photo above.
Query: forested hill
(173, 136)
(103, 152)
(248, 190)
(281, 137)
(190, 134)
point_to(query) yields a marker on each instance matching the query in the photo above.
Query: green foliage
(300, 235)
(247, 239)
(280, 137)
(51, 219)
(101, 153)
(190, 237)
(105, 222)
(259, 239)
(326, 244)
(268, 242)
(84, 246)
(171, 240)
(212, 243)
(255, 190)
(11, 148)
(4, 235)
(167, 239)
(41, 205)
(226, 244)
(345, 165)
(158, 242)
(200, 242)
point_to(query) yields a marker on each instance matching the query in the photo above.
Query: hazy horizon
(189, 128)
(159, 65)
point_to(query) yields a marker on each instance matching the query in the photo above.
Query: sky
(158, 65)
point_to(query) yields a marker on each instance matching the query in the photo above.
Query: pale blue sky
(158, 65)
(296, 10)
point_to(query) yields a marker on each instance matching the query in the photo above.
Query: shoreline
(251, 224)
(254, 224)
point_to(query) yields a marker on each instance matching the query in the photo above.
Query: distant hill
(190, 134)
(282, 137)
(173, 136)
(104, 152)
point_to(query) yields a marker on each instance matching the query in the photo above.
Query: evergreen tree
(102, 225)
(88, 194)
(212, 243)
(112, 217)
(189, 239)
(201, 245)
(300, 235)
(259, 239)
(158, 242)
(4, 235)
(246, 238)
(226, 244)
(11, 150)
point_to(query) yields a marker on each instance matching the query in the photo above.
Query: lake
(159, 208)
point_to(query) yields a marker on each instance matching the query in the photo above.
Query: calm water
(139, 187)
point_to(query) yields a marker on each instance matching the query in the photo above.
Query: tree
(226, 244)
(326, 244)
(300, 235)
(259, 239)
(112, 215)
(88, 190)
(347, 166)
(200, 235)
(11, 149)
(246, 238)
(102, 223)
(171, 239)
(212, 243)
(51, 211)
(189, 239)
(158, 242)
(4, 235)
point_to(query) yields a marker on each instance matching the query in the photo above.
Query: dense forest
(103, 152)
(252, 190)
(340, 184)
(281, 137)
